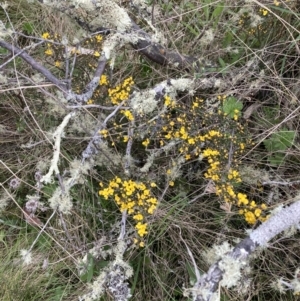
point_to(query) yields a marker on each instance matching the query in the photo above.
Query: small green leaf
(287, 137)
(280, 141)
(217, 14)
(3, 51)
(206, 9)
(227, 39)
(191, 29)
(102, 264)
(277, 144)
(88, 275)
(2, 238)
(230, 105)
(191, 272)
(218, 10)
(28, 28)
(222, 63)
(276, 159)
(49, 189)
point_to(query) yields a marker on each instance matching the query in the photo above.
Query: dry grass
(163, 267)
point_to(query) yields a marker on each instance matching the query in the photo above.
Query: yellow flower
(214, 133)
(152, 201)
(96, 54)
(151, 209)
(98, 38)
(49, 51)
(264, 11)
(117, 199)
(57, 64)
(187, 157)
(257, 212)
(215, 177)
(128, 115)
(146, 142)
(221, 97)
(195, 105)
(46, 35)
(141, 228)
(209, 152)
(120, 92)
(104, 133)
(103, 80)
(242, 199)
(191, 141)
(168, 136)
(138, 217)
(233, 174)
(250, 217)
(263, 206)
(230, 191)
(167, 100)
(146, 192)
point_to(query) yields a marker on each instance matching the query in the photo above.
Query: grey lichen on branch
(99, 14)
(94, 14)
(221, 272)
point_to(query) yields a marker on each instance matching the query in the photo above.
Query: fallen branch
(33, 63)
(205, 288)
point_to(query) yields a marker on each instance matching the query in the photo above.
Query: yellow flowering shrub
(134, 197)
(215, 137)
(120, 92)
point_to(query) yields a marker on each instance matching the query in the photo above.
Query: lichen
(183, 84)
(112, 278)
(4, 200)
(231, 271)
(143, 103)
(4, 32)
(56, 104)
(117, 40)
(61, 201)
(216, 252)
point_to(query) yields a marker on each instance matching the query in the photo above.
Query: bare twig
(91, 86)
(128, 148)
(123, 225)
(57, 137)
(33, 63)
(95, 106)
(92, 149)
(281, 183)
